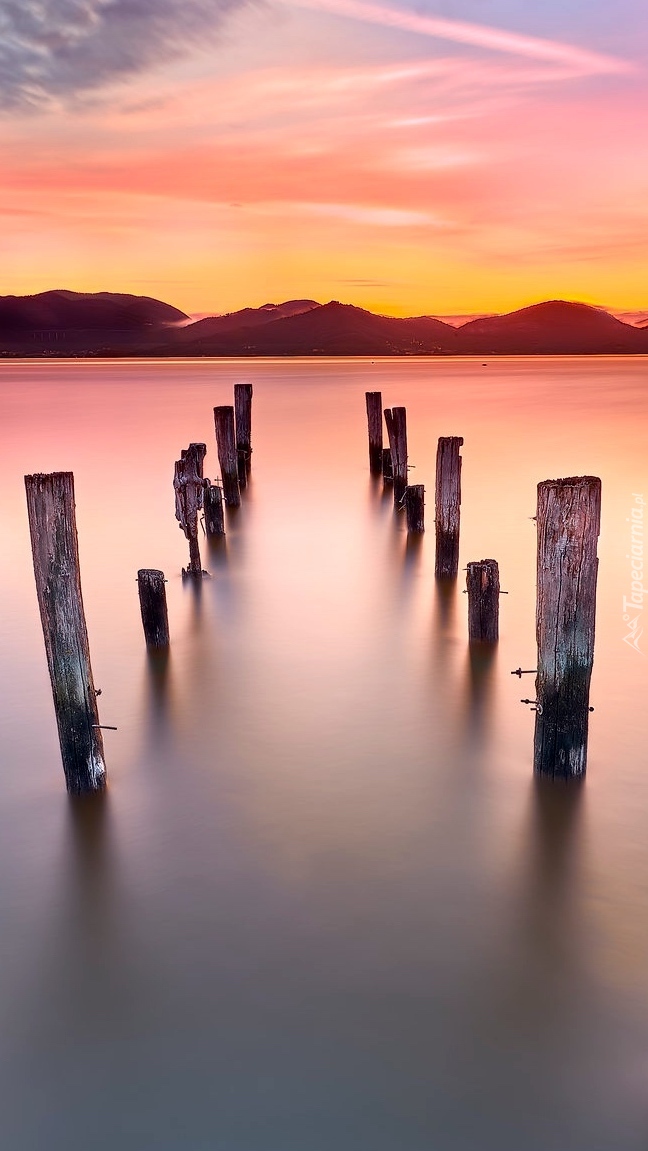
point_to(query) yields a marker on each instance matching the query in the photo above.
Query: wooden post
(387, 470)
(52, 526)
(227, 455)
(213, 509)
(195, 454)
(482, 582)
(375, 425)
(448, 504)
(189, 487)
(414, 506)
(396, 421)
(568, 522)
(153, 606)
(243, 412)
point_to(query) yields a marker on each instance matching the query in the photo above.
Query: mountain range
(68, 323)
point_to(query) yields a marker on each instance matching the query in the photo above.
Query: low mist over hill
(72, 323)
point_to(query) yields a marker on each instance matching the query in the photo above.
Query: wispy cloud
(60, 48)
(382, 217)
(580, 61)
(372, 215)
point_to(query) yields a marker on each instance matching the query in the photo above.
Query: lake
(325, 906)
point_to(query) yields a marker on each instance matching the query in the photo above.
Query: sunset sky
(440, 157)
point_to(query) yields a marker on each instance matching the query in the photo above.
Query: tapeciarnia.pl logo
(633, 604)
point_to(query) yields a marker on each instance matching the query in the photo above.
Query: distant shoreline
(90, 357)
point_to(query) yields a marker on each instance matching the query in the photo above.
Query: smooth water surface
(325, 906)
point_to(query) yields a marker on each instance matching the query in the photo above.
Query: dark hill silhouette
(245, 318)
(553, 328)
(64, 311)
(105, 323)
(332, 329)
(80, 321)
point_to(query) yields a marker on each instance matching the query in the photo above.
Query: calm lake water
(325, 907)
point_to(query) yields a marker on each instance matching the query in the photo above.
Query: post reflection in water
(216, 553)
(387, 497)
(193, 588)
(412, 555)
(445, 605)
(536, 987)
(403, 560)
(376, 490)
(557, 811)
(549, 994)
(481, 672)
(158, 697)
(550, 908)
(225, 557)
(84, 941)
(89, 860)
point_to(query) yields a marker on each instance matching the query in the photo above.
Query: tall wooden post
(482, 582)
(415, 507)
(52, 527)
(387, 469)
(189, 487)
(568, 522)
(375, 426)
(213, 509)
(447, 506)
(396, 421)
(227, 454)
(243, 414)
(153, 606)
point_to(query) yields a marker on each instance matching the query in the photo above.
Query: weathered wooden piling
(227, 454)
(189, 488)
(213, 510)
(151, 586)
(387, 469)
(396, 420)
(414, 507)
(195, 455)
(568, 523)
(52, 527)
(243, 416)
(447, 506)
(375, 427)
(482, 582)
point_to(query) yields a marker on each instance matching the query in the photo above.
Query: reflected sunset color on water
(324, 904)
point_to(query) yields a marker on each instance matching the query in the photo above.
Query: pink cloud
(579, 60)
